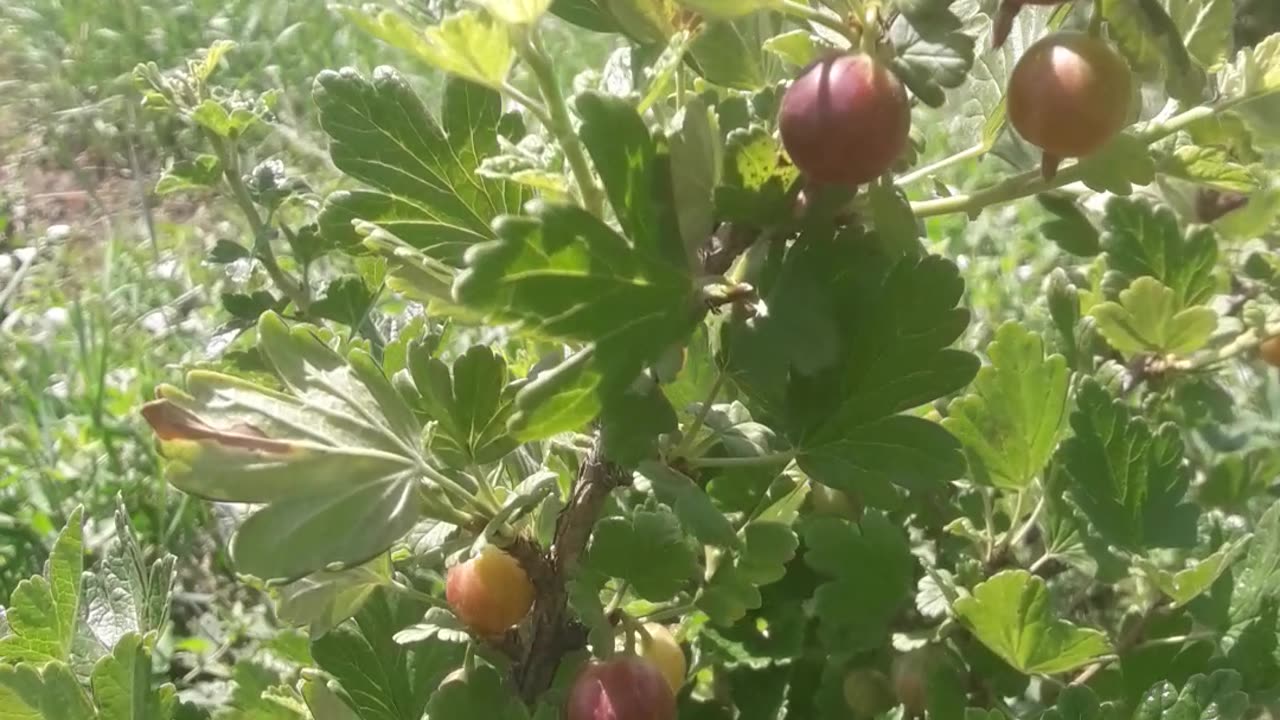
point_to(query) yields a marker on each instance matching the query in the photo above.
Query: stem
(414, 593)
(1030, 182)
(1127, 642)
(486, 489)
(1031, 521)
(1039, 563)
(804, 12)
(618, 596)
(691, 432)
(667, 613)
(230, 160)
(988, 515)
(943, 164)
(1175, 640)
(766, 459)
(561, 126)
(534, 107)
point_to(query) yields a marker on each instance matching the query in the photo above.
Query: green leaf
(1185, 585)
(255, 694)
(1210, 166)
(895, 224)
(48, 693)
(125, 594)
(756, 178)
(423, 188)
(767, 548)
(202, 172)
(561, 274)
(210, 115)
(476, 694)
(1141, 238)
(636, 177)
(1127, 478)
(1206, 29)
(585, 14)
(856, 614)
(1212, 697)
(930, 65)
(226, 251)
(44, 610)
(385, 680)
(438, 624)
(339, 449)
(729, 9)
(517, 12)
(631, 424)
(849, 342)
(324, 599)
(247, 308)
(930, 18)
(694, 508)
(468, 44)
(1149, 318)
(1010, 614)
(728, 595)
(1123, 162)
(1153, 43)
(1069, 228)
(122, 684)
(323, 700)
(1011, 422)
(469, 403)
(1257, 575)
(1078, 702)
(658, 573)
(795, 47)
(1255, 653)
(729, 54)
(1255, 71)
(213, 58)
(696, 159)
(347, 300)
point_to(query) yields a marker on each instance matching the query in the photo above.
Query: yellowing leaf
(468, 44)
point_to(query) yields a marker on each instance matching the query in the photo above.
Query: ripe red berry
(624, 687)
(845, 120)
(1068, 95)
(490, 592)
(1270, 351)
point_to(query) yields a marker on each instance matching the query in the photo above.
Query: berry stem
(1031, 182)
(804, 12)
(940, 165)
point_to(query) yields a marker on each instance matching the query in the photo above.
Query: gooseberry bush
(654, 390)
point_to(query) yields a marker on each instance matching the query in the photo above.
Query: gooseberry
(489, 592)
(624, 687)
(866, 691)
(1068, 95)
(1270, 351)
(844, 120)
(661, 648)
